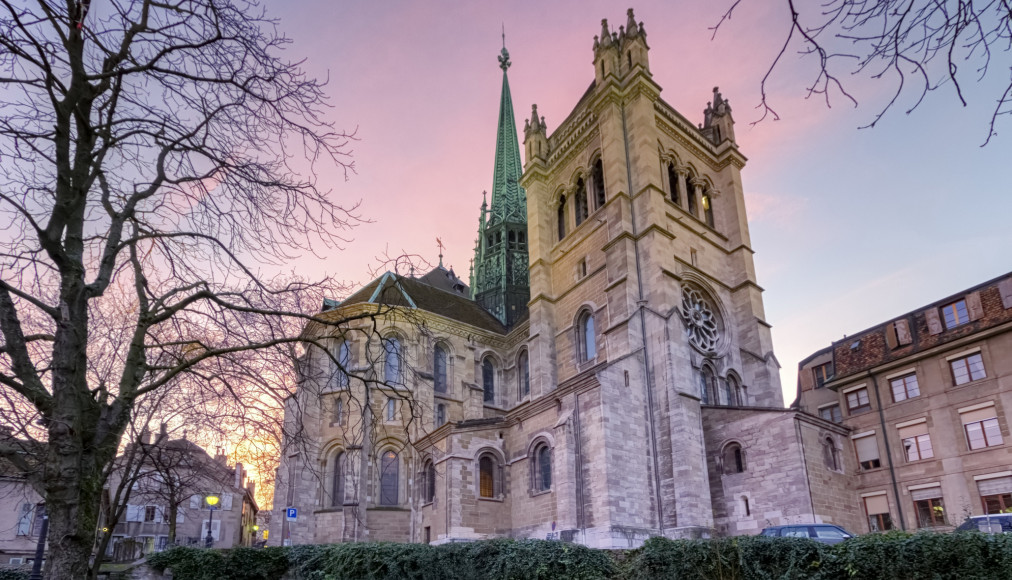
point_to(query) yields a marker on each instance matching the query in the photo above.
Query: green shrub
(738, 558)
(14, 574)
(923, 556)
(234, 564)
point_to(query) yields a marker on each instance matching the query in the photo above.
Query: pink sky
(850, 227)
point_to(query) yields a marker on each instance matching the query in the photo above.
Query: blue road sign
(291, 514)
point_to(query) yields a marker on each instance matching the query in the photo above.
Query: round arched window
(702, 322)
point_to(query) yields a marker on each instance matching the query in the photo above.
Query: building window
(997, 504)
(867, 452)
(392, 361)
(389, 468)
(338, 411)
(955, 314)
(430, 481)
(877, 508)
(733, 459)
(858, 402)
(439, 369)
(967, 368)
(982, 429)
(488, 379)
(150, 512)
(822, 374)
(734, 391)
(673, 181)
(831, 413)
(598, 178)
(562, 217)
(391, 410)
(930, 512)
(918, 448)
(25, 519)
(488, 477)
(830, 454)
(542, 467)
(524, 374)
(690, 195)
(581, 202)
(343, 356)
(708, 209)
(440, 415)
(905, 387)
(748, 509)
(337, 485)
(588, 347)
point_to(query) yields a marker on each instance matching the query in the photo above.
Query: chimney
(220, 457)
(163, 433)
(239, 475)
(252, 487)
(145, 437)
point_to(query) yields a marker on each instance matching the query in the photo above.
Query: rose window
(702, 324)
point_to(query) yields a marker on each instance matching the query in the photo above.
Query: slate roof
(396, 290)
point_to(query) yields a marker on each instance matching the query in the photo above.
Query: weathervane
(439, 243)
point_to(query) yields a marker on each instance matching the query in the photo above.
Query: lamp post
(40, 550)
(212, 500)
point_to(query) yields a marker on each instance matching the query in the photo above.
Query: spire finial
(439, 243)
(504, 36)
(504, 56)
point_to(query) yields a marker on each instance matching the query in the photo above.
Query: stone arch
(732, 458)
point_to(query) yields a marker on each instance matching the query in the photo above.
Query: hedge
(891, 556)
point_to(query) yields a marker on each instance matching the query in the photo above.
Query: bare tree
(918, 46)
(152, 155)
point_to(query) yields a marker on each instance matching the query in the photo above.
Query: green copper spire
(500, 279)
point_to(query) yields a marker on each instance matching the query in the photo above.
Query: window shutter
(934, 324)
(914, 431)
(867, 448)
(1005, 289)
(978, 415)
(877, 504)
(890, 332)
(226, 501)
(996, 486)
(195, 502)
(973, 306)
(903, 332)
(133, 513)
(927, 493)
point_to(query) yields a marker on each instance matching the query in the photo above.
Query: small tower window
(598, 179)
(588, 346)
(673, 180)
(628, 56)
(690, 196)
(542, 468)
(708, 209)
(343, 356)
(338, 411)
(439, 369)
(391, 412)
(430, 482)
(512, 238)
(488, 379)
(392, 362)
(337, 487)
(562, 217)
(440, 415)
(581, 202)
(524, 374)
(734, 460)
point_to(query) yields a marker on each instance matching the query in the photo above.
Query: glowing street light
(211, 500)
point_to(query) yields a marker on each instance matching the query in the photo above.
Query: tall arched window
(708, 208)
(524, 374)
(706, 392)
(728, 392)
(542, 468)
(430, 481)
(488, 476)
(734, 459)
(598, 178)
(690, 195)
(588, 344)
(343, 356)
(581, 202)
(338, 411)
(440, 415)
(389, 472)
(392, 362)
(673, 180)
(488, 379)
(562, 217)
(439, 369)
(830, 454)
(735, 388)
(337, 483)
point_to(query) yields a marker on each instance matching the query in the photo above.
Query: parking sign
(291, 514)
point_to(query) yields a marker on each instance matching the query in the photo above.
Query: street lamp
(212, 500)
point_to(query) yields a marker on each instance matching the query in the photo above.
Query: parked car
(992, 524)
(825, 533)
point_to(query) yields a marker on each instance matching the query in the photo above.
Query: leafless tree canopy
(154, 156)
(917, 46)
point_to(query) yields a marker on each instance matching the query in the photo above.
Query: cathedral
(606, 373)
